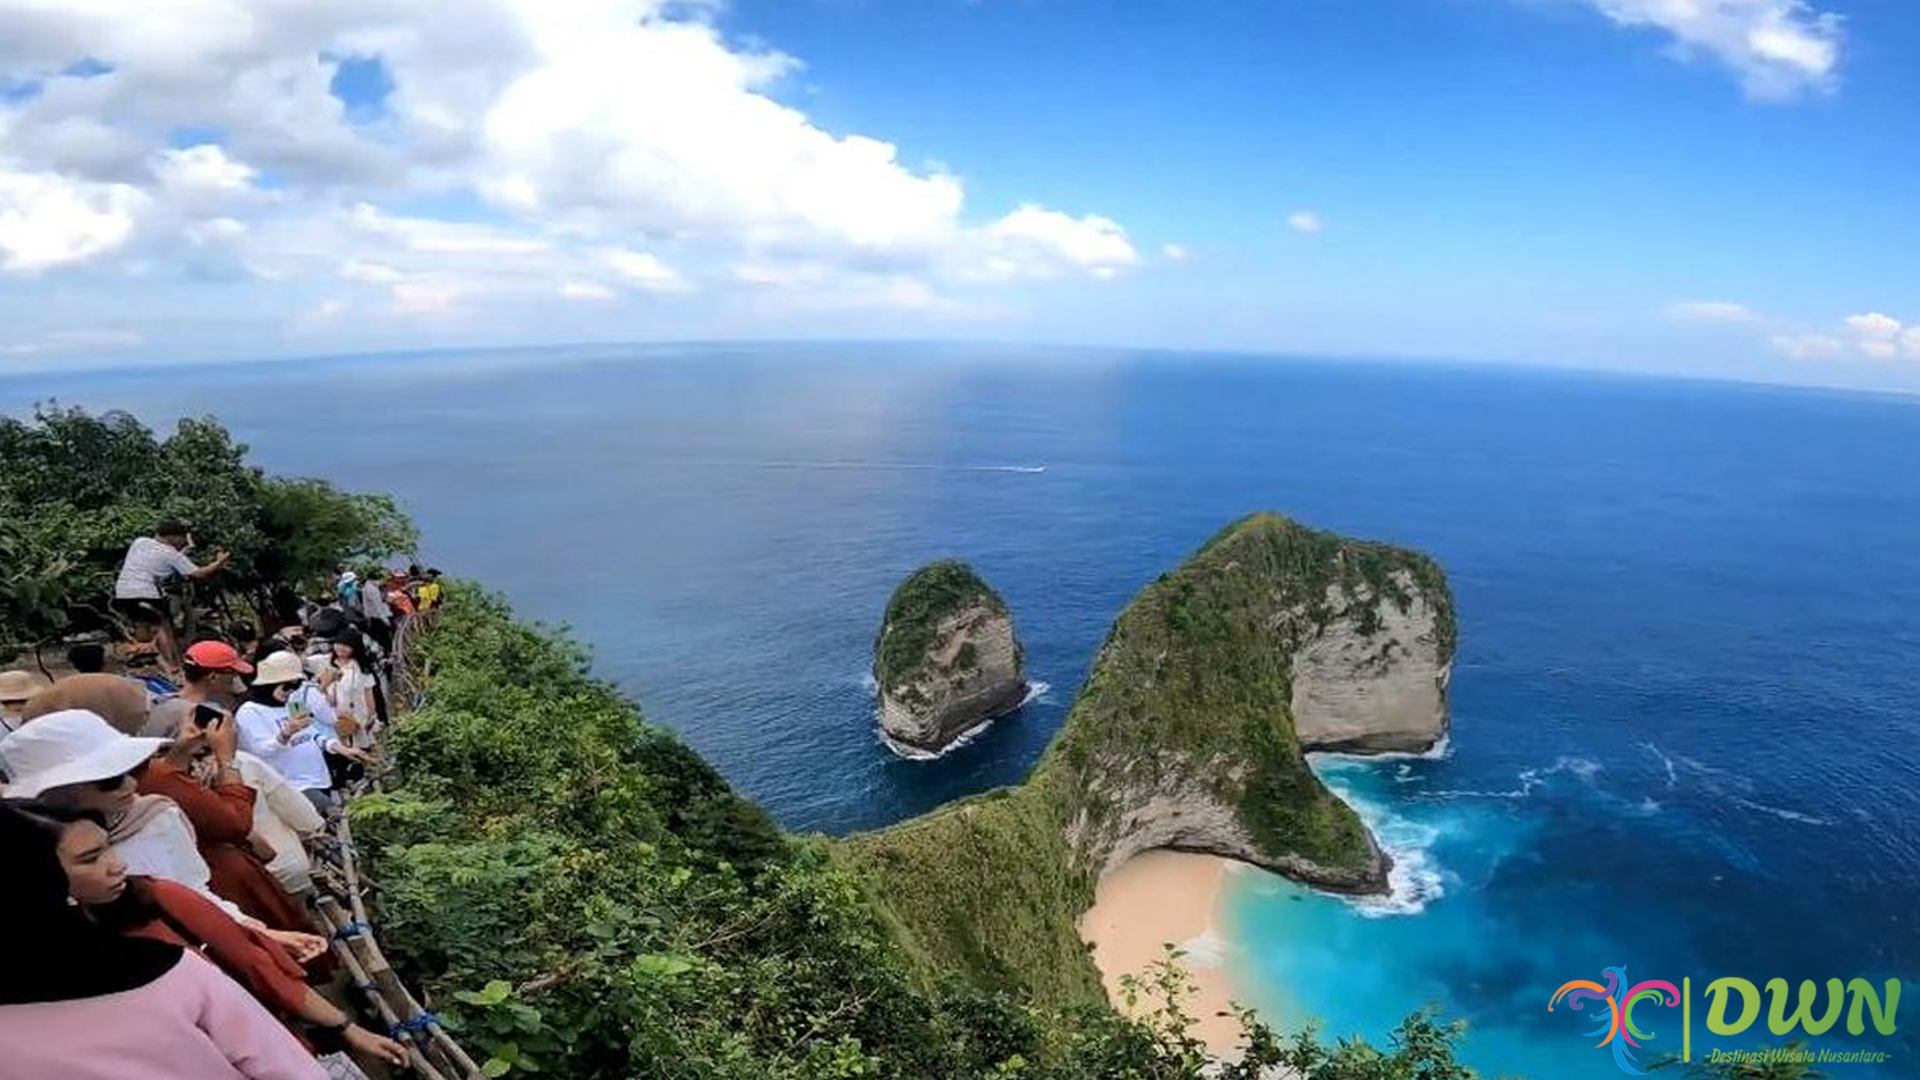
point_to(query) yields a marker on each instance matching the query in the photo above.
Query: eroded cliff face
(972, 672)
(1371, 676)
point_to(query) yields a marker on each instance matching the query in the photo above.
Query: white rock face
(1372, 680)
(955, 690)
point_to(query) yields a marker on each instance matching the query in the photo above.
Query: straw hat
(70, 747)
(281, 667)
(20, 685)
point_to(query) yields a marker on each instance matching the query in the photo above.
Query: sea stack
(946, 659)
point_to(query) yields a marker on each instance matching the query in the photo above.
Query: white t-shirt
(353, 696)
(149, 564)
(302, 760)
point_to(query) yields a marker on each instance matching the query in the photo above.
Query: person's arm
(258, 1046)
(291, 807)
(221, 814)
(202, 573)
(259, 732)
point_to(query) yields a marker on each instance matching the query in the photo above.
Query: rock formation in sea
(946, 659)
(1190, 733)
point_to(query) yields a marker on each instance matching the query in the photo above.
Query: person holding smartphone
(221, 812)
(277, 725)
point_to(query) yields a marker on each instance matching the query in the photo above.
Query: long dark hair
(55, 952)
(354, 640)
(133, 907)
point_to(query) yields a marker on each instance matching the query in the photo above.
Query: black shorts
(144, 612)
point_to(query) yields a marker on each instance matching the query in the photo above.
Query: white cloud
(1305, 221)
(1720, 312)
(1034, 242)
(586, 290)
(73, 340)
(527, 138)
(1874, 326)
(1175, 253)
(48, 220)
(1871, 335)
(1778, 48)
(1810, 346)
(642, 270)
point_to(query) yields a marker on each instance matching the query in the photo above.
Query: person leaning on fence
(150, 565)
(79, 1002)
(74, 759)
(165, 911)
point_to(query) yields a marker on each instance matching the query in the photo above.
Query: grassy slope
(1193, 677)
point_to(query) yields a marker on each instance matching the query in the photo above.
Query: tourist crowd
(155, 829)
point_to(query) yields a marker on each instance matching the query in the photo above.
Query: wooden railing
(342, 908)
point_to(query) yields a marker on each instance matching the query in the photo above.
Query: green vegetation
(75, 489)
(1188, 699)
(587, 899)
(928, 595)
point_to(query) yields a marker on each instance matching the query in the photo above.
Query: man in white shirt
(151, 563)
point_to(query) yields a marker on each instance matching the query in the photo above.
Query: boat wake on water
(900, 466)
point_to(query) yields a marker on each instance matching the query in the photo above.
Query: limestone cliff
(946, 659)
(1185, 735)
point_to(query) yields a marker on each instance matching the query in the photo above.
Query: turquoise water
(1686, 733)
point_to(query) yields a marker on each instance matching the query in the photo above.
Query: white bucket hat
(72, 746)
(281, 667)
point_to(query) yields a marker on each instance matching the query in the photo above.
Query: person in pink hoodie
(78, 1002)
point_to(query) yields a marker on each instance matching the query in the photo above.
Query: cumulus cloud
(1305, 221)
(49, 220)
(595, 149)
(1777, 48)
(1871, 335)
(1175, 253)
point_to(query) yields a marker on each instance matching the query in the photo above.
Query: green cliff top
(928, 595)
(1189, 697)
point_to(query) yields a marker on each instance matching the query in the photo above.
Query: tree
(76, 488)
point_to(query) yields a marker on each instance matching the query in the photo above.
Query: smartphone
(207, 717)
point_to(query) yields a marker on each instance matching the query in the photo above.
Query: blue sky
(1710, 187)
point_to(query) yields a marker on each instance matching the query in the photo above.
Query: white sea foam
(1531, 780)
(1035, 690)
(1673, 778)
(1779, 812)
(1416, 879)
(1207, 949)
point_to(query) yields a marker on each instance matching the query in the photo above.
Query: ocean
(1686, 706)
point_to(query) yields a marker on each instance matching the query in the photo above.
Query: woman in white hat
(292, 740)
(76, 759)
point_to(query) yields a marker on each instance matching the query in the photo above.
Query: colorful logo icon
(1617, 1028)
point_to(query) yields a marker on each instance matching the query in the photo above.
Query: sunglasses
(114, 783)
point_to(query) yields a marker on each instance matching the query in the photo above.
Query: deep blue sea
(1686, 705)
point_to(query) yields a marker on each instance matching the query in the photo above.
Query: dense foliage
(1189, 698)
(928, 595)
(586, 898)
(77, 488)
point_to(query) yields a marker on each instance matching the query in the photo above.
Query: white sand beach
(1156, 898)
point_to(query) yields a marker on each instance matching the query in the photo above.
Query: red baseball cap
(217, 656)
